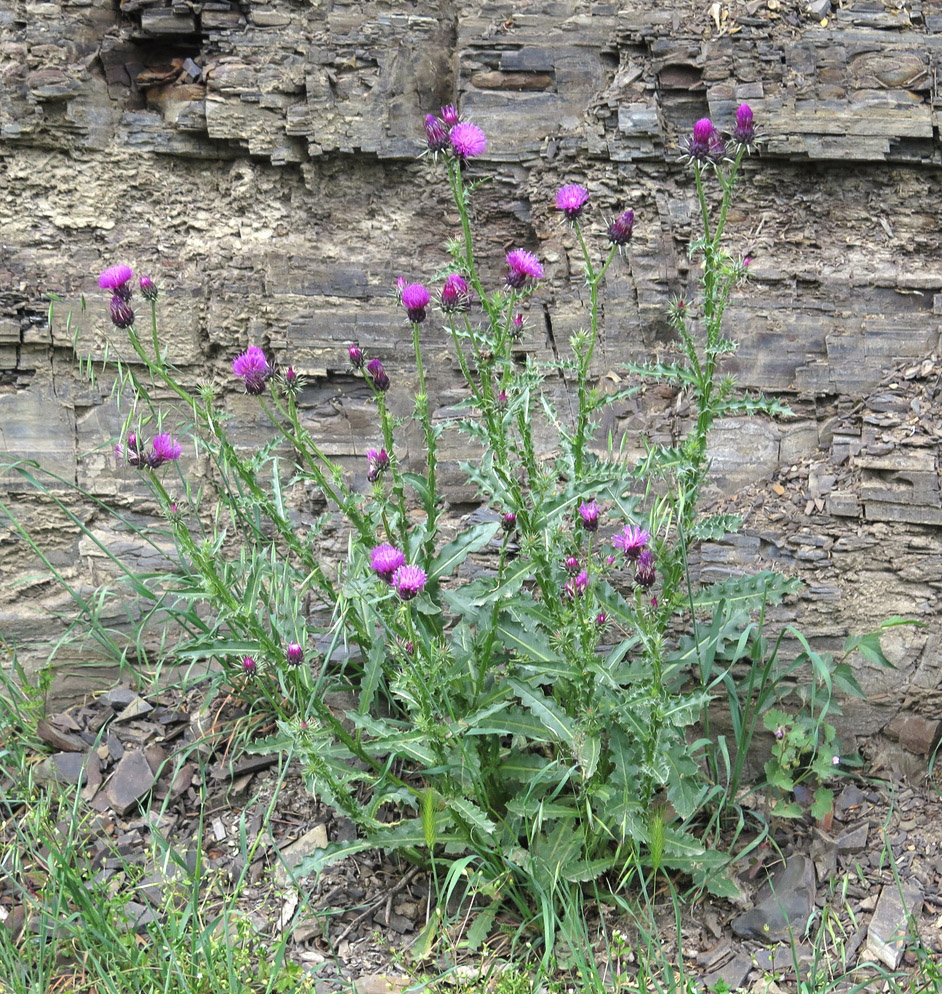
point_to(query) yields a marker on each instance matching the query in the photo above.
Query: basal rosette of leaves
(526, 723)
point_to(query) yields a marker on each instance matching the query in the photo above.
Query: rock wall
(260, 160)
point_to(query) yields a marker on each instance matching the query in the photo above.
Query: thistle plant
(524, 703)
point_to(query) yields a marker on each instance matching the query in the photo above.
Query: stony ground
(135, 760)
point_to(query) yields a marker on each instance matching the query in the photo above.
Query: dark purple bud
(294, 654)
(601, 619)
(571, 564)
(745, 131)
(436, 132)
(148, 288)
(509, 521)
(645, 574)
(121, 314)
(620, 230)
(292, 380)
(248, 666)
(356, 356)
(378, 375)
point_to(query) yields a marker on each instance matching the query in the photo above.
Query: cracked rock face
(260, 162)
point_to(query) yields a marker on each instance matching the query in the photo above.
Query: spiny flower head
(631, 540)
(522, 266)
(122, 314)
(516, 327)
(148, 288)
(378, 463)
(571, 199)
(252, 368)
(165, 448)
(116, 279)
(415, 298)
(248, 666)
(294, 654)
(645, 575)
(704, 144)
(436, 133)
(378, 375)
(291, 378)
(576, 587)
(467, 140)
(449, 115)
(385, 560)
(620, 230)
(745, 131)
(456, 294)
(356, 356)
(589, 512)
(408, 581)
(508, 521)
(571, 564)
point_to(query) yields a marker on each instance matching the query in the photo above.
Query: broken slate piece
(733, 974)
(783, 904)
(131, 780)
(134, 709)
(69, 767)
(889, 927)
(59, 739)
(855, 840)
(292, 854)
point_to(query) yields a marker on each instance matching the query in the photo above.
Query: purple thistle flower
(378, 375)
(501, 399)
(522, 266)
(589, 512)
(252, 368)
(745, 131)
(620, 230)
(436, 132)
(645, 575)
(115, 279)
(632, 540)
(467, 140)
(509, 521)
(131, 452)
(408, 581)
(356, 356)
(516, 327)
(704, 144)
(385, 560)
(122, 315)
(378, 463)
(148, 288)
(456, 294)
(415, 298)
(571, 564)
(449, 115)
(164, 448)
(571, 199)
(294, 654)
(601, 619)
(576, 587)
(292, 380)
(248, 666)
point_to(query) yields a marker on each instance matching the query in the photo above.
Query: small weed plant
(513, 701)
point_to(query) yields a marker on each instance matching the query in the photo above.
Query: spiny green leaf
(546, 709)
(739, 591)
(455, 553)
